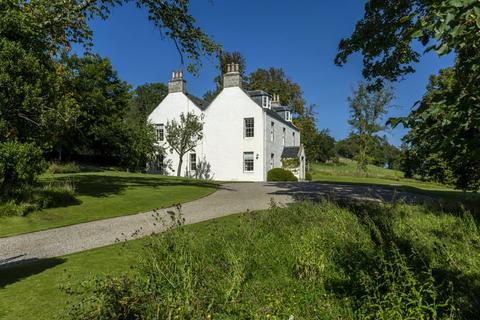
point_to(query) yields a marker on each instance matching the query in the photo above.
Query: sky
(299, 36)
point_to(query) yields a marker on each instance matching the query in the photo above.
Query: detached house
(245, 133)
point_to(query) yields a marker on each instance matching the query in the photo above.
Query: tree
(386, 37)
(274, 80)
(183, 135)
(366, 110)
(225, 58)
(325, 145)
(145, 99)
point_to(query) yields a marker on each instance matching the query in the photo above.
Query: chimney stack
(276, 99)
(232, 78)
(177, 84)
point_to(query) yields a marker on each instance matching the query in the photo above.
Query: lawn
(312, 261)
(107, 194)
(345, 172)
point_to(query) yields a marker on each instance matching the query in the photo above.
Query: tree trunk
(179, 169)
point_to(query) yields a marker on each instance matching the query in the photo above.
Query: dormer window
(288, 116)
(266, 102)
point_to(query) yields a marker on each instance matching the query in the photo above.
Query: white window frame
(248, 129)
(272, 131)
(272, 160)
(193, 164)
(293, 137)
(160, 132)
(248, 156)
(284, 136)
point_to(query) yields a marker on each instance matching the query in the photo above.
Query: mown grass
(106, 194)
(312, 261)
(345, 172)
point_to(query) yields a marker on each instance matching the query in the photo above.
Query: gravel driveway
(230, 198)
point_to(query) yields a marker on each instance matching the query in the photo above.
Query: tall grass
(307, 261)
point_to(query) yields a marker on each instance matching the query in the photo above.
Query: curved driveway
(230, 198)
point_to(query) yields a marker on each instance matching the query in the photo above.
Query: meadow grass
(106, 194)
(311, 261)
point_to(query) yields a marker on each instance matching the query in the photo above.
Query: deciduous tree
(183, 135)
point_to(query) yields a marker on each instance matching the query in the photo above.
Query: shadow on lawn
(99, 185)
(16, 271)
(444, 200)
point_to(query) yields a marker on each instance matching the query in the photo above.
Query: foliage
(183, 135)
(20, 163)
(444, 138)
(275, 81)
(145, 99)
(366, 110)
(68, 167)
(225, 58)
(308, 176)
(325, 260)
(290, 163)
(279, 174)
(449, 112)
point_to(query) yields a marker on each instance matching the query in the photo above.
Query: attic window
(266, 102)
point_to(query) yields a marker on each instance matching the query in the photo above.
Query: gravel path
(230, 198)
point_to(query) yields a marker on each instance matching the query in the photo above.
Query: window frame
(284, 136)
(194, 162)
(160, 132)
(246, 157)
(247, 129)
(272, 131)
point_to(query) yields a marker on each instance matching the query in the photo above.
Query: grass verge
(107, 194)
(312, 261)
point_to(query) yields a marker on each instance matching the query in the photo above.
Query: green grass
(101, 195)
(323, 261)
(345, 172)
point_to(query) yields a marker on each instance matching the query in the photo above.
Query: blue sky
(299, 36)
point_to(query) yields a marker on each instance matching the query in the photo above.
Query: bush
(12, 208)
(20, 164)
(279, 174)
(69, 167)
(308, 176)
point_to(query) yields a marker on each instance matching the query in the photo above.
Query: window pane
(248, 161)
(249, 130)
(193, 161)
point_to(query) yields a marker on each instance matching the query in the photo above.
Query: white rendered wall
(170, 108)
(224, 141)
(276, 147)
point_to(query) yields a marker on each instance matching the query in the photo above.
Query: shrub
(69, 167)
(20, 164)
(279, 174)
(12, 208)
(308, 176)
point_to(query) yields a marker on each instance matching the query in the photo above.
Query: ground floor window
(193, 161)
(248, 161)
(272, 160)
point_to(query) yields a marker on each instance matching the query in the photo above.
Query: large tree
(145, 99)
(225, 58)
(183, 135)
(366, 111)
(386, 37)
(275, 81)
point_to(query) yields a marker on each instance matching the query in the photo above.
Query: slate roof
(270, 112)
(290, 152)
(202, 104)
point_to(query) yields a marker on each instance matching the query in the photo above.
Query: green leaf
(417, 34)
(444, 49)
(477, 13)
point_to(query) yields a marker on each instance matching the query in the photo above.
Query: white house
(245, 133)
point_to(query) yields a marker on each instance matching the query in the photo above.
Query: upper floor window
(249, 127)
(272, 131)
(248, 162)
(193, 161)
(160, 132)
(293, 138)
(284, 136)
(288, 116)
(266, 102)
